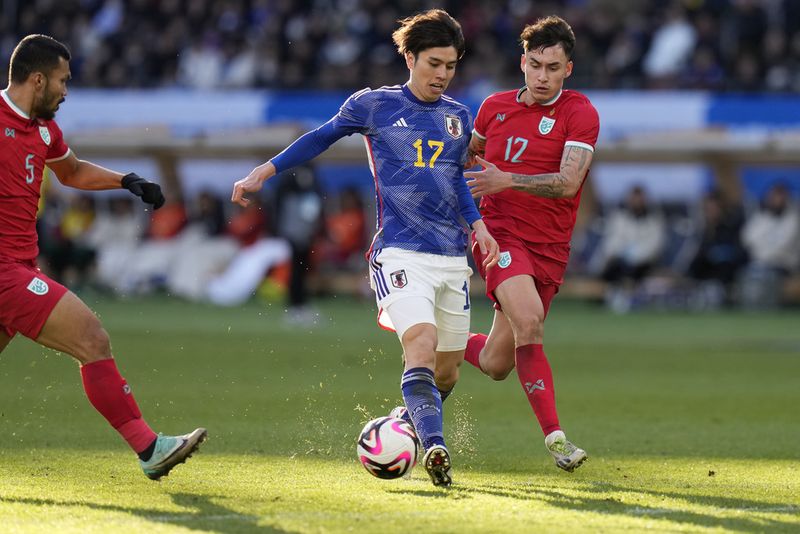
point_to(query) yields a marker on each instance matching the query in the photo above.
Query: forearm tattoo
(574, 164)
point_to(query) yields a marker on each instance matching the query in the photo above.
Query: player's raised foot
(567, 456)
(171, 451)
(437, 464)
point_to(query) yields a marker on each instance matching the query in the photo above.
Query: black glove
(149, 191)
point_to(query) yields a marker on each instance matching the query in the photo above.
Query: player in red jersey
(30, 302)
(535, 146)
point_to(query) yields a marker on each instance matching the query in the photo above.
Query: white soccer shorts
(414, 287)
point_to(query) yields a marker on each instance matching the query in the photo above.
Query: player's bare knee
(95, 345)
(528, 329)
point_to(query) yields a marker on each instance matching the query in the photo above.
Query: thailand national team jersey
(531, 140)
(26, 145)
(417, 151)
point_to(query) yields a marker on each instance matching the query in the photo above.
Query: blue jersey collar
(413, 98)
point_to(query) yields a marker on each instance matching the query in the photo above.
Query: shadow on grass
(575, 499)
(206, 515)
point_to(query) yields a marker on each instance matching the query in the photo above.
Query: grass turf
(690, 422)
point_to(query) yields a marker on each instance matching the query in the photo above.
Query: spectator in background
(633, 240)
(299, 222)
(259, 253)
(720, 254)
(115, 235)
(670, 49)
(70, 257)
(345, 230)
(771, 236)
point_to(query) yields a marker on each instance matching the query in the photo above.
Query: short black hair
(434, 28)
(547, 32)
(35, 53)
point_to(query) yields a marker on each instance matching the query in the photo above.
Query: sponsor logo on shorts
(399, 279)
(38, 287)
(505, 260)
(126, 389)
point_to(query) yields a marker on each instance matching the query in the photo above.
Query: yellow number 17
(438, 146)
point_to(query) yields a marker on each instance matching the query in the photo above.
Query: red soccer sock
(111, 396)
(536, 378)
(475, 344)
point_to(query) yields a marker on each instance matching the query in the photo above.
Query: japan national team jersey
(531, 140)
(417, 152)
(26, 145)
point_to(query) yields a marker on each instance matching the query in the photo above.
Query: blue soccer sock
(424, 404)
(442, 393)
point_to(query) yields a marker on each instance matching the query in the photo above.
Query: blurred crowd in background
(299, 240)
(740, 45)
(295, 241)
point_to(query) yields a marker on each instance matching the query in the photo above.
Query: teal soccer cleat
(171, 451)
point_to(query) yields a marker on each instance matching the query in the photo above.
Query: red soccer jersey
(26, 145)
(530, 140)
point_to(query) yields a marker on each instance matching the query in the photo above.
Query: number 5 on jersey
(438, 146)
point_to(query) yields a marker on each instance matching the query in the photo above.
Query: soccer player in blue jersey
(416, 140)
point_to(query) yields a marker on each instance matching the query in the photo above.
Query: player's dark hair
(35, 53)
(434, 28)
(547, 32)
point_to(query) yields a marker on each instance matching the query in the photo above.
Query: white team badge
(38, 286)
(505, 260)
(399, 279)
(546, 125)
(45, 133)
(453, 126)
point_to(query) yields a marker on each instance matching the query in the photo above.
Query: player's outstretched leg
(567, 456)
(170, 451)
(437, 464)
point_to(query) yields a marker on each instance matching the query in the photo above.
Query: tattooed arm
(565, 183)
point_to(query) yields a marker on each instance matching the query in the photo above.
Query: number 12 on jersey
(514, 141)
(438, 146)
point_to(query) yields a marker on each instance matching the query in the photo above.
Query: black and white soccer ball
(387, 447)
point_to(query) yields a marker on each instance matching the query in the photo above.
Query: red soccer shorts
(517, 258)
(27, 297)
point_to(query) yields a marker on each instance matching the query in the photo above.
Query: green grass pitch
(692, 424)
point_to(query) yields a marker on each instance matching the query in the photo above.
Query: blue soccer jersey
(417, 151)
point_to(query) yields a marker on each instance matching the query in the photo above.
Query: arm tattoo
(574, 165)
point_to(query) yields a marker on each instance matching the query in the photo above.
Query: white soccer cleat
(567, 456)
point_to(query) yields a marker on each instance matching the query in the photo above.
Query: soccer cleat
(437, 464)
(171, 451)
(567, 456)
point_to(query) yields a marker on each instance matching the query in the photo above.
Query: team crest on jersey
(453, 126)
(546, 125)
(45, 133)
(38, 286)
(399, 279)
(505, 260)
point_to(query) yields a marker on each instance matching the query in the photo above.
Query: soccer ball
(388, 447)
